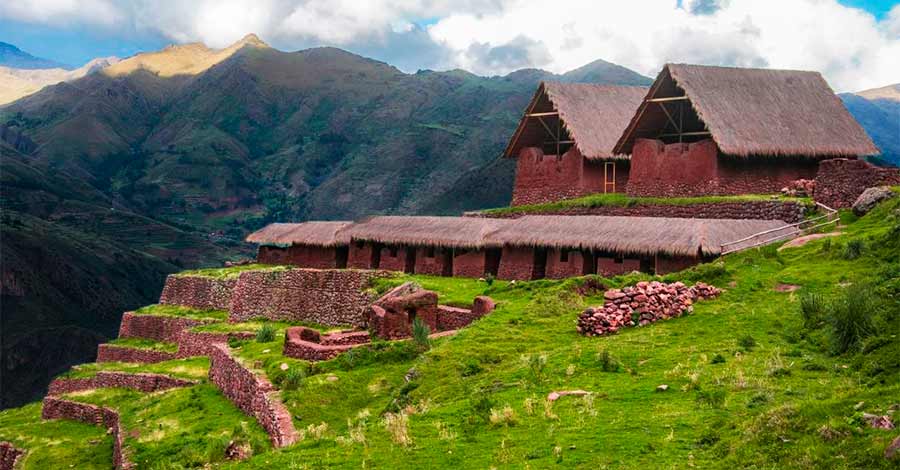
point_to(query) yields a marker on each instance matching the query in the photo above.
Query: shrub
(292, 378)
(812, 304)
(713, 398)
(489, 279)
(505, 416)
(536, 365)
(747, 342)
(717, 359)
(850, 318)
(420, 332)
(607, 362)
(853, 249)
(265, 334)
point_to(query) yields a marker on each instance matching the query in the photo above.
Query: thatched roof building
(747, 112)
(323, 234)
(632, 235)
(443, 232)
(591, 117)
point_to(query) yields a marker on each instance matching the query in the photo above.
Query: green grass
(231, 272)
(182, 311)
(145, 343)
(750, 383)
(57, 443)
(193, 368)
(622, 200)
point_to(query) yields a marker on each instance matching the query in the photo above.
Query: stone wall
(299, 255)
(840, 181)
(698, 169)
(787, 211)
(469, 263)
(156, 327)
(114, 353)
(671, 264)
(254, 395)
(199, 292)
(546, 178)
(432, 261)
(305, 343)
(329, 297)
(360, 256)
(9, 455)
(199, 343)
(611, 266)
(58, 408)
(516, 263)
(393, 258)
(110, 379)
(567, 263)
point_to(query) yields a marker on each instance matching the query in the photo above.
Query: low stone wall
(110, 379)
(254, 395)
(644, 303)
(840, 181)
(58, 408)
(199, 343)
(114, 353)
(306, 343)
(198, 292)
(329, 297)
(9, 455)
(156, 327)
(788, 211)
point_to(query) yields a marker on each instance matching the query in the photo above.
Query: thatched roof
(594, 116)
(450, 232)
(633, 235)
(754, 112)
(325, 234)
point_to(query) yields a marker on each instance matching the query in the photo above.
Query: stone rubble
(644, 303)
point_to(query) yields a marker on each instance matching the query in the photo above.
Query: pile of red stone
(644, 303)
(799, 188)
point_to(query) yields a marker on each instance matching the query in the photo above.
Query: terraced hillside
(783, 370)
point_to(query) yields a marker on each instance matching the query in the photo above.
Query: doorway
(539, 268)
(609, 177)
(340, 257)
(410, 264)
(492, 261)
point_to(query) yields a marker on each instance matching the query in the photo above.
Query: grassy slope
(622, 200)
(778, 401)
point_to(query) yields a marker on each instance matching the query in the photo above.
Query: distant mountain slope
(12, 56)
(17, 83)
(878, 110)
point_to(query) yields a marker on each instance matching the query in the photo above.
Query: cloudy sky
(854, 43)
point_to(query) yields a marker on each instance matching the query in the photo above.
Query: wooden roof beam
(667, 99)
(552, 113)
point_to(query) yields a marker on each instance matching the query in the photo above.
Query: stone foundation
(199, 343)
(329, 297)
(110, 379)
(840, 181)
(156, 327)
(114, 353)
(254, 395)
(199, 292)
(9, 455)
(305, 343)
(57, 408)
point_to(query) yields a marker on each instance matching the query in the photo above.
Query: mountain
(878, 110)
(166, 159)
(13, 57)
(16, 83)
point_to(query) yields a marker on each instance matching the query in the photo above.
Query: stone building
(704, 130)
(320, 245)
(563, 144)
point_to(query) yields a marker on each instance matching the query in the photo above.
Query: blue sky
(850, 41)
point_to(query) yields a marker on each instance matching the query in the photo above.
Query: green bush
(265, 333)
(812, 304)
(850, 316)
(853, 249)
(292, 378)
(608, 363)
(420, 332)
(747, 342)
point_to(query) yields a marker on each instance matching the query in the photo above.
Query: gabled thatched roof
(325, 234)
(633, 235)
(755, 112)
(592, 115)
(451, 232)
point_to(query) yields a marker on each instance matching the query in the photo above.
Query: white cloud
(851, 48)
(95, 12)
(847, 45)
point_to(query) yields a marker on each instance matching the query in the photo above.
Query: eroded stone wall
(58, 408)
(840, 181)
(113, 353)
(141, 382)
(156, 327)
(253, 394)
(329, 297)
(199, 292)
(9, 455)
